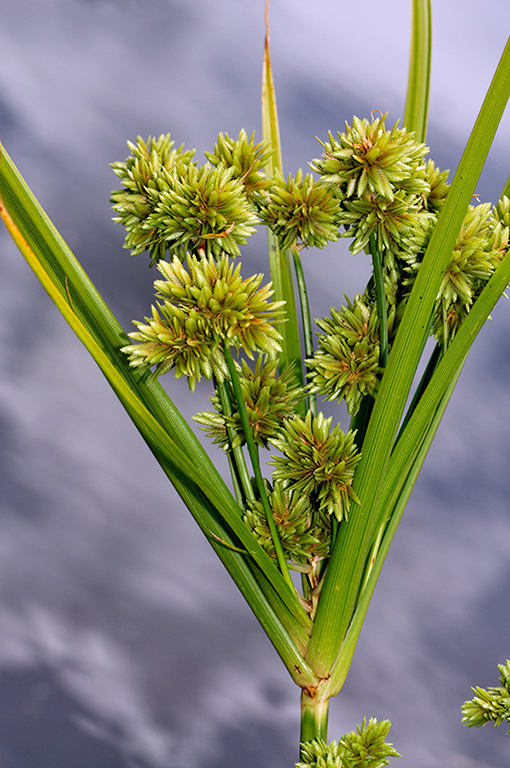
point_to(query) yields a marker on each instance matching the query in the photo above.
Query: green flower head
(204, 210)
(398, 227)
(300, 209)
(368, 158)
(318, 461)
(270, 398)
(346, 364)
(202, 308)
(366, 747)
(480, 245)
(302, 536)
(246, 159)
(145, 175)
(491, 704)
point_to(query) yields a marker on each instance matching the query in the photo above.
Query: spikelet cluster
(346, 364)
(145, 175)
(384, 184)
(300, 210)
(169, 205)
(246, 159)
(318, 461)
(270, 398)
(491, 704)
(200, 309)
(366, 747)
(302, 534)
(481, 243)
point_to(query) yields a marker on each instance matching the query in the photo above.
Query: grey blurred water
(122, 641)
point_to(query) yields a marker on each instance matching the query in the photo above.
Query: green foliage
(491, 704)
(365, 747)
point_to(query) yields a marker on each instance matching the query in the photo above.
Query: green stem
(314, 717)
(305, 315)
(254, 456)
(239, 470)
(381, 303)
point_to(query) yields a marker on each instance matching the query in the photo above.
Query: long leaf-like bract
(418, 81)
(347, 564)
(410, 452)
(280, 262)
(169, 437)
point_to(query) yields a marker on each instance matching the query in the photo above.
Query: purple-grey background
(123, 643)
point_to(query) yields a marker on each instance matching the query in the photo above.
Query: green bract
(319, 462)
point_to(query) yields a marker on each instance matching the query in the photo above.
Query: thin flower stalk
(255, 461)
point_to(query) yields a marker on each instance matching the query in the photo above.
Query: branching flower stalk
(328, 502)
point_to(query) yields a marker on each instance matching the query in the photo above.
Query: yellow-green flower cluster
(491, 704)
(146, 173)
(246, 159)
(346, 364)
(481, 243)
(300, 210)
(270, 398)
(366, 747)
(302, 534)
(169, 205)
(384, 185)
(202, 308)
(319, 462)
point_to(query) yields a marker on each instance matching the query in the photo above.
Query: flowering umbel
(202, 308)
(318, 461)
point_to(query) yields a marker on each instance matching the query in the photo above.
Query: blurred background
(123, 643)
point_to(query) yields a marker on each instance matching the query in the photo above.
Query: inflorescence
(374, 186)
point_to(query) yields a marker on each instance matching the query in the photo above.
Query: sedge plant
(304, 536)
